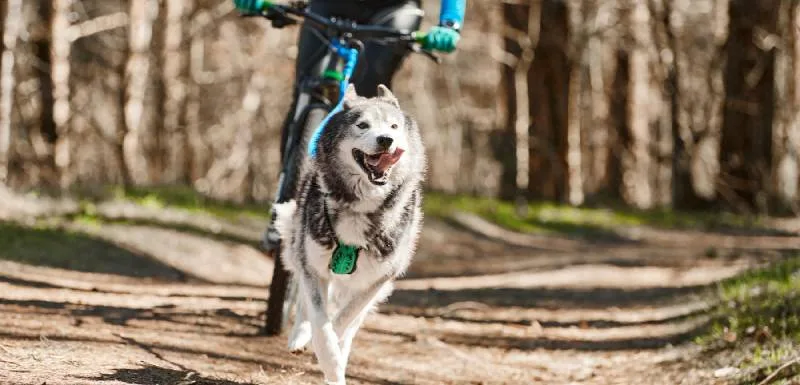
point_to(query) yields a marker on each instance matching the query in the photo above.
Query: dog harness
(344, 258)
(351, 58)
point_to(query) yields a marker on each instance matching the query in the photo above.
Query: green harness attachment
(344, 258)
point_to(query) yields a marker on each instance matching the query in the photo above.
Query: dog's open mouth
(377, 165)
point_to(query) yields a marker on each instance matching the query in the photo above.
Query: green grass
(189, 199)
(47, 244)
(760, 314)
(540, 217)
(768, 297)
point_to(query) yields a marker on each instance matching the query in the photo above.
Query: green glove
(250, 6)
(442, 39)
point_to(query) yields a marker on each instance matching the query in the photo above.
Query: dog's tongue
(385, 160)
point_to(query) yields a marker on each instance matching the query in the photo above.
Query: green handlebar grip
(419, 36)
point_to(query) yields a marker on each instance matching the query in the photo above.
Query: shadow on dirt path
(151, 374)
(76, 251)
(122, 303)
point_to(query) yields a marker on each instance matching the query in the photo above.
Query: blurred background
(659, 103)
(613, 196)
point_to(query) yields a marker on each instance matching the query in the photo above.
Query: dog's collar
(344, 257)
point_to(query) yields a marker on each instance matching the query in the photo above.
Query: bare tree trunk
(193, 143)
(175, 79)
(746, 145)
(155, 145)
(520, 37)
(3, 11)
(599, 58)
(143, 13)
(697, 35)
(636, 178)
(579, 123)
(619, 132)
(11, 30)
(665, 97)
(548, 98)
(786, 175)
(536, 79)
(522, 121)
(574, 154)
(515, 25)
(683, 193)
(47, 125)
(60, 70)
(43, 47)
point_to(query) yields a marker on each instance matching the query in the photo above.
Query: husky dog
(360, 196)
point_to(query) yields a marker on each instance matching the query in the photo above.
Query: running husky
(354, 226)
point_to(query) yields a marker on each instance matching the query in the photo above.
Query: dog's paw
(300, 337)
(339, 381)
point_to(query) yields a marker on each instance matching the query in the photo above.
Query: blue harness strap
(351, 58)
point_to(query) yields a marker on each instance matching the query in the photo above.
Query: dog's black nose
(385, 142)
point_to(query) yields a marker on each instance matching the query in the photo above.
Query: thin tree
(548, 103)
(134, 86)
(637, 161)
(520, 36)
(11, 28)
(175, 81)
(59, 72)
(746, 144)
(786, 175)
(43, 47)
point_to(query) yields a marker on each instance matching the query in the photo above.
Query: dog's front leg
(301, 330)
(314, 291)
(351, 316)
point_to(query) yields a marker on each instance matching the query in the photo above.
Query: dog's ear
(350, 96)
(386, 94)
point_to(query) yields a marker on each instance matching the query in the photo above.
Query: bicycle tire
(278, 305)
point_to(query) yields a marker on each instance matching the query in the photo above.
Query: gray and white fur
(348, 194)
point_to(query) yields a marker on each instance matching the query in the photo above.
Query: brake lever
(278, 18)
(436, 58)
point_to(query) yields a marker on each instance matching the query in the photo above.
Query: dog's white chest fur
(350, 228)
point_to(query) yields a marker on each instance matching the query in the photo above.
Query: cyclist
(379, 62)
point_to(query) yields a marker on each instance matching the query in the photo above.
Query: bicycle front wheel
(280, 306)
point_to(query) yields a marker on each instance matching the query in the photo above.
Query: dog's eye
(363, 125)
(394, 126)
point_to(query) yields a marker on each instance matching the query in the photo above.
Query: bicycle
(318, 99)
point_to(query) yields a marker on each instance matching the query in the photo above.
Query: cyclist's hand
(250, 6)
(442, 39)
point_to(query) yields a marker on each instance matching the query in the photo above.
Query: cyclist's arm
(451, 13)
(445, 36)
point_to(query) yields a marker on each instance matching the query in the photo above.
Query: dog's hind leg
(301, 330)
(352, 315)
(314, 291)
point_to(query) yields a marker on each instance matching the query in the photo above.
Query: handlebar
(283, 14)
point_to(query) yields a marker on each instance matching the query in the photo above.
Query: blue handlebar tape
(453, 10)
(351, 59)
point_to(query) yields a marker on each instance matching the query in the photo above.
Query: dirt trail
(477, 308)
